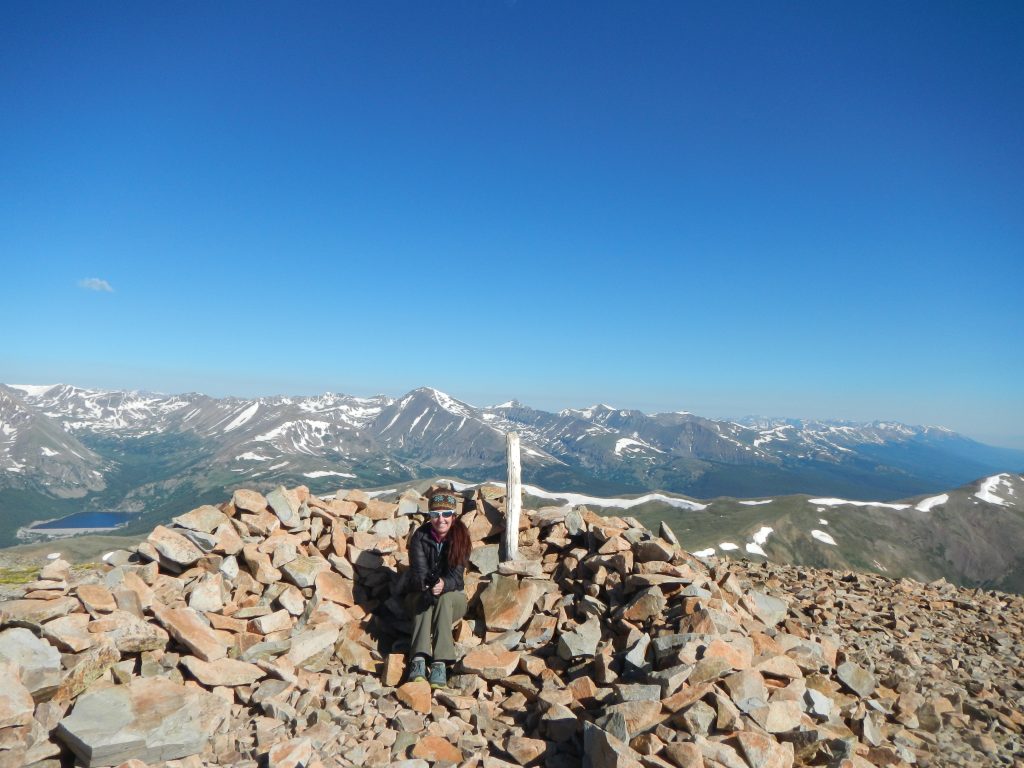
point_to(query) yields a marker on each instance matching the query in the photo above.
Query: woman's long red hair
(459, 544)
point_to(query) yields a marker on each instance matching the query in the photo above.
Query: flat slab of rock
(302, 571)
(129, 633)
(532, 568)
(290, 754)
(272, 622)
(174, 546)
(33, 613)
(434, 749)
(284, 504)
(208, 593)
(59, 569)
(485, 558)
(602, 750)
(249, 501)
(581, 641)
(69, 633)
(747, 690)
(187, 628)
(778, 716)
(312, 642)
(856, 678)
(38, 660)
(205, 519)
(96, 598)
(229, 672)
(148, 719)
(654, 550)
(507, 603)
(16, 704)
(770, 610)
(335, 587)
(650, 602)
(491, 662)
(415, 695)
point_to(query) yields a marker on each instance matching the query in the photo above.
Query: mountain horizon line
(38, 389)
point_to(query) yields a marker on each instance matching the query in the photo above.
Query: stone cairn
(269, 631)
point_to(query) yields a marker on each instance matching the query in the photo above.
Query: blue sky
(787, 209)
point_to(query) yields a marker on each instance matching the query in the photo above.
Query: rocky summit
(269, 631)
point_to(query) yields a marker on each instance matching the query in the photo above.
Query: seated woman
(438, 552)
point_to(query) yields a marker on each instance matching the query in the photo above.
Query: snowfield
(988, 487)
(926, 505)
(823, 537)
(840, 502)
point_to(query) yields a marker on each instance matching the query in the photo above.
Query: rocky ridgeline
(269, 632)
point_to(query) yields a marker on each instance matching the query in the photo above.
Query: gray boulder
(38, 660)
(581, 641)
(149, 719)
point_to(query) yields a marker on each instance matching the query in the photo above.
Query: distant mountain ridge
(135, 451)
(972, 535)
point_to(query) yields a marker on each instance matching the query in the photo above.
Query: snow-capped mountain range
(62, 441)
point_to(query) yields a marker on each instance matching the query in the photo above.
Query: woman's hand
(438, 588)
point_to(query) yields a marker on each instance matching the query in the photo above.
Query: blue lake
(87, 520)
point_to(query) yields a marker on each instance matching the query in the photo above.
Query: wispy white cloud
(95, 284)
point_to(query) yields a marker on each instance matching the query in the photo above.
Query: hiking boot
(438, 675)
(417, 669)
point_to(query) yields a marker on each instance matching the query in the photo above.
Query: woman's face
(441, 524)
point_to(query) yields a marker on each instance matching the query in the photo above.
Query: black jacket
(424, 557)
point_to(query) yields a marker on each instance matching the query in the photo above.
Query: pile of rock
(269, 631)
(949, 661)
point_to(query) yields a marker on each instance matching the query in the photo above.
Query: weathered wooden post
(513, 497)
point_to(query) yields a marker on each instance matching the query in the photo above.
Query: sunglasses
(436, 513)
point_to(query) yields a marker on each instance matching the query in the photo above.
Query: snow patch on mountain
(596, 501)
(304, 436)
(392, 422)
(631, 444)
(588, 413)
(762, 535)
(243, 417)
(755, 547)
(34, 390)
(839, 502)
(251, 456)
(823, 537)
(926, 505)
(449, 403)
(757, 502)
(417, 420)
(773, 434)
(988, 486)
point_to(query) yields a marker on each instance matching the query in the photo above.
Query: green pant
(432, 624)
